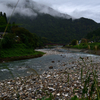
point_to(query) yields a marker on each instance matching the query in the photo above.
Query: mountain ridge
(56, 29)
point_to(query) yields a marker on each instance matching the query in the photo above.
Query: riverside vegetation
(92, 37)
(92, 47)
(18, 41)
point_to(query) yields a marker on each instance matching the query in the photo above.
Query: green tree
(74, 42)
(2, 24)
(5, 17)
(0, 13)
(26, 37)
(83, 40)
(8, 41)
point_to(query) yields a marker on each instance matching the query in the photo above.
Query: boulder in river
(53, 61)
(51, 67)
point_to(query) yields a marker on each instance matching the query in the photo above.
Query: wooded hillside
(57, 30)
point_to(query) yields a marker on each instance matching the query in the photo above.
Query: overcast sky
(75, 8)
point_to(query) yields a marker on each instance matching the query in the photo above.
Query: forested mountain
(55, 29)
(49, 23)
(94, 36)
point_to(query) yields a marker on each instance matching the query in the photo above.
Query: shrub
(74, 42)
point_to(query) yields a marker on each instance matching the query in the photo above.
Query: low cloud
(76, 8)
(28, 8)
(8, 7)
(77, 11)
(4, 8)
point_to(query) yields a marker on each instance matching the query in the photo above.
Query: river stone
(53, 61)
(51, 67)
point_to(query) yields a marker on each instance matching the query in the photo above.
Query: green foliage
(26, 37)
(21, 35)
(75, 98)
(20, 42)
(18, 50)
(74, 42)
(57, 30)
(81, 46)
(89, 87)
(5, 17)
(8, 41)
(83, 40)
(85, 46)
(3, 22)
(94, 36)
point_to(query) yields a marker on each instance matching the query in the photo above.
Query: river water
(58, 59)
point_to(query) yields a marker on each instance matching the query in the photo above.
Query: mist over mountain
(29, 8)
(46, 22)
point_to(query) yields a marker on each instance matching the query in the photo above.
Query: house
(79, 41)
(1, 34)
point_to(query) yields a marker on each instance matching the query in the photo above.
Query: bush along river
(57, 69)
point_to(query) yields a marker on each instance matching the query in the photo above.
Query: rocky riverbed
(62, 83)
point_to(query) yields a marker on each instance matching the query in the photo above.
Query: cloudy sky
(76, 8)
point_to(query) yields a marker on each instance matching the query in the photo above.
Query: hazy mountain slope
(58, 30)
(31, 8)
(46, 22)
(94, 36)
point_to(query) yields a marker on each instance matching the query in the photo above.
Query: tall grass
(91, 89)
(96, 48)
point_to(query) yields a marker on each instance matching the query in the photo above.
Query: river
(56, 58)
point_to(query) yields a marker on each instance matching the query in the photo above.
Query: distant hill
(55, 29)
(94, 36)
(47, 22)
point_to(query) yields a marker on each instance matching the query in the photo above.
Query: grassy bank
(92, 46)
(18, 53)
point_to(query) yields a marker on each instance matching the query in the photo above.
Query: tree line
(56, 30)
(18, 35)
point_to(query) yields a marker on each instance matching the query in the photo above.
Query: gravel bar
(63, 84)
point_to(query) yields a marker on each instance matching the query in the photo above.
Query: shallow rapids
(55, 58)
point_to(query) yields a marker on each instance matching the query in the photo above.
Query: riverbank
(49, 52)
(96, 52)
(34, 54)
(62, 84)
